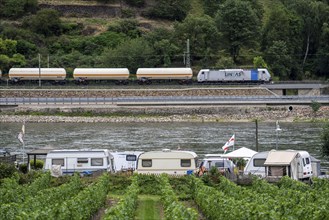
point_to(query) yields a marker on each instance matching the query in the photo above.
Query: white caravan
(173, 162)
(295, 164)
(255, 165)
(125, 161)
(80, 160)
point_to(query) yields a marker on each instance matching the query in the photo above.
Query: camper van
(173, 162)
(125, 161)
(255, 165)
(295, 164)
(80, 160)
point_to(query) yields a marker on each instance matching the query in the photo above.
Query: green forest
(289, 37)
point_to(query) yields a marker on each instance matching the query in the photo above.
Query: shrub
(7, 170)
(315, 106)
(38, 164)
(23, 168)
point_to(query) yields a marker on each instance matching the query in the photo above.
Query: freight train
(143, 75)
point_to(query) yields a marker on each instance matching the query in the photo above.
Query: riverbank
(111, 114)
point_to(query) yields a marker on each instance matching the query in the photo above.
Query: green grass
(149, 208)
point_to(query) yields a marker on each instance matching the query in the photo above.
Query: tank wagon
(147, 75)
(54, 75)
(84, 75)
(234, 75)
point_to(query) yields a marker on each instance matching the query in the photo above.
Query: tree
(279, 59)
(211, 6)
(312, 14)
(259, 62)
(8, 47)
(169, 9)
(202, 33)
(12, 8)
(239, 25)
(131, 54)
(322, 59)
(17, 8)
(283, 27)
(325, 140)
(46, 22)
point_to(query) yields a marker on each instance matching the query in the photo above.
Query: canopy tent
(242, 152)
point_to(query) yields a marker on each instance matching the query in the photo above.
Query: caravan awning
(280, 157)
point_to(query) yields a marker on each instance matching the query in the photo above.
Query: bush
(149, 184)
(315, 106)
(23, 168)
(7, 170)
(38, 164)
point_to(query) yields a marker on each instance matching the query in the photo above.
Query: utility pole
(256, 122)
(39, 71)
(188, 60)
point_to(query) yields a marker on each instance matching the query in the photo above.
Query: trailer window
(185, 163)
(96, 161)
(219, 164)
(82, 160)
(307, 160)
(131, 157)
(57, 162)
(146, 163)
(259, 162)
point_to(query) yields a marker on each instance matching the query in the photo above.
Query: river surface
(202, 138)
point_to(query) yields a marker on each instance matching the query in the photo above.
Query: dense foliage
(82, 198)
(291, 38)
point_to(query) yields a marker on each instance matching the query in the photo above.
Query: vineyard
(110, 196)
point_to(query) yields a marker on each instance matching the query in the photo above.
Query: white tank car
(24, 74)
(85, 74)
(148, 74)
(234, 75)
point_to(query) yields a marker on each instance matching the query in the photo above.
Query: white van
(221, 163)
(80, 160)
(125, 161)
(173, 162)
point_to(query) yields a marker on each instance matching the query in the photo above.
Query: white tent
(242, 152)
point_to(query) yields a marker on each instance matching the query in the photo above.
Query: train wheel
(140, 83)
(149, 82)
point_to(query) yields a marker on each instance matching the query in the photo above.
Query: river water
(203, 138)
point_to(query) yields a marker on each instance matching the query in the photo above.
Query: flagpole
(233, 141)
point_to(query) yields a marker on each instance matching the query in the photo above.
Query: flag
(23, 129)
(21, 134)
(20, 137)
(229, 143)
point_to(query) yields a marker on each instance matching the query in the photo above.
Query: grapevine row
(127, 205)
(34, 205)
(173, 208)
(12, 192)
